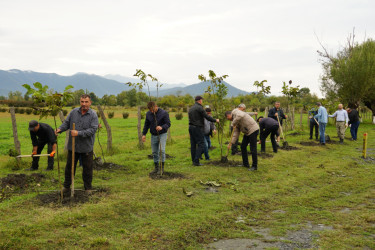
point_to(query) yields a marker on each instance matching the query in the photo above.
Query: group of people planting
(83, 124)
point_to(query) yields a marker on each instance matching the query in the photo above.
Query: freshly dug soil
(167, 176)
(294, 134)
(167, 156)
(229, 163)
(21, 181)
(265, 155)
(309, 143)
(100, 165)
(212, 148)
(287, 147)
(80, 197)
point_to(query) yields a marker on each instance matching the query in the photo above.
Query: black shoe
(161, 170)
(49, 169)
(197, 164)
(275, 151)
(310, 138)
(253, 169)
(156, 169)
(208, 159)
(341, 141)
(323, 144)
(246, 166)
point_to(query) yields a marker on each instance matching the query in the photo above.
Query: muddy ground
(309, 143)
(100, 165)
(53, 198)
(167, 176)
(303, 238)
(287, 147)
(21, 181)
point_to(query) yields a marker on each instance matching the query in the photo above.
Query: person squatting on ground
(342, 120)
(157, 120)
(353, 122)
(209, 129)
(322, 118)
(313, 123)
(196, 123)
(241, 107)
(244, 123)
(86, 124)
(42, 134)
(268, 126)
(277, 112)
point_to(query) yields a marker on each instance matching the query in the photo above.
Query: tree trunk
(62, 118)
(169, 136)
(292, 124)
(107, 127)
(140, 142)
(17, 143)
(187, 108)
(266, 112)
(301, 118)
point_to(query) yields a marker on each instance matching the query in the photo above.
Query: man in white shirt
(342, 120)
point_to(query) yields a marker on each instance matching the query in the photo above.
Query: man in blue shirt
(322, 118)
(157, 120)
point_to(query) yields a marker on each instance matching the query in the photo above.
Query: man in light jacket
(342, 120)
(322, 118)
(244, 123)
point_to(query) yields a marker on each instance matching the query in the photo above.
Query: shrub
(36, 112)
(111, 114)
(184, 109)
(174, 110)
(65, 112)
(125, 115)
(29, 111)
(143, 115)
(179, 116)
(22, 111)
(16, 110)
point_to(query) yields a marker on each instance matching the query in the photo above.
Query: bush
(65, 112)
(143, 115)
(36, 112)
(125, 115)
(174, 110)
(16, 110)
(179, 116)
(184, 109)
(110, 114)
(22, 111)
(29, 111)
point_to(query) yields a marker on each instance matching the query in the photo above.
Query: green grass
(313, 184)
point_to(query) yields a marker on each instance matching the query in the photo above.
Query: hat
(33, 124)
(242, 106)
(198, 97)
(208, 110)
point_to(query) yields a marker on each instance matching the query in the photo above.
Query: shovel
(21, 156)
(224, 159)
(285, 143)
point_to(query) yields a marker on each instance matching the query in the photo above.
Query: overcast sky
(177, 40)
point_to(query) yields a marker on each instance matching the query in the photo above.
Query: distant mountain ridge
(12, 80)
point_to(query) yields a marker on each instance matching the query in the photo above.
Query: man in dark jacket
(157, 120)
(277, 112)
(42, 134)
(353, 122)
(268, 126)
(313, 123)
(196, 125)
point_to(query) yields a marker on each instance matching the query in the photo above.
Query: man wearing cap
(42, 134)
(86, 124)
(196, 126)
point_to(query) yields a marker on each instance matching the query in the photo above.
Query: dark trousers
(313, 125)
(41, 144)
(197, 143)
(273, 131)
(252, 139)
(354, 130)
(87, 165)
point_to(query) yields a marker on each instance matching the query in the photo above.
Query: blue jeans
(155, 146)
(354, 130)
(322, 130)
(207, 145)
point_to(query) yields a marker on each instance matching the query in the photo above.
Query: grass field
(329, 187)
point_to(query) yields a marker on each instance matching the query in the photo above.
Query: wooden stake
(73, 155)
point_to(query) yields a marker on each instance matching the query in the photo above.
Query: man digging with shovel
(157, 120)
(244, 123)
(268, 126)
(86, 124)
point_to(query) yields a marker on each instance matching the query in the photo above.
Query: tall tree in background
(217, 91)
(349, 76)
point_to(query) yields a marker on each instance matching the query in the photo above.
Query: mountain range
(12, 80)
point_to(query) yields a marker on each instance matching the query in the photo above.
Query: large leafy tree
(349, 76)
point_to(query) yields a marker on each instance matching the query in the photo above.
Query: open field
(311, 197)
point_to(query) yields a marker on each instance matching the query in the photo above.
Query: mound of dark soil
(212, 148)
(21, 181)
(167, 156)
(225, 164)
(309, 143)
(79, 197)
(167, 176)
(100, 165)
(295, 133)
(265, 155)
(288, 148)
